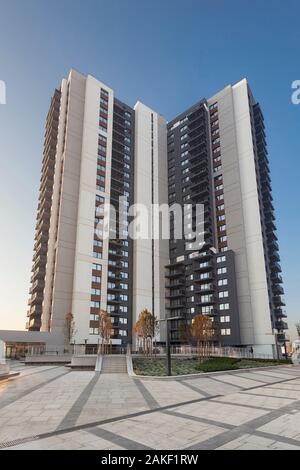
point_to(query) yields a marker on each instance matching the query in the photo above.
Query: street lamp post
(168, 348)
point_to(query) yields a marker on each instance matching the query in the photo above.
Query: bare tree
(69, 330)
(203, 333)
(105, 331)
(146, 329)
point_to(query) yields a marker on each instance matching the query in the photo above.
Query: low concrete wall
(48, 359)
(83, 362)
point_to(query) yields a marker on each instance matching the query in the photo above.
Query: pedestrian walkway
(51, 407)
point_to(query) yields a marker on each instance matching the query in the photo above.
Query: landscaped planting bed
(151, 366)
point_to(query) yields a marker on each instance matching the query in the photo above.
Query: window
(98, 243)
(222, 228)
(224, 306)
(225, 331)
(96, 279)
(184, 162)
(123, 321)
(98, 231)
(100, 178)
(184, 136)
(101, 168)
(217, 168)
(101, 158)
(219, 187)
(222, 270)
(101, 148)
(225, 319)
(222, 282)
(220, 207)
(222, 239)
(104, 101)
(223, 294)
(102, 120)
(97, 267)
(103, 110)
(220, 218)
(217, 149)
(204, 276)
(207, 310)
(97, 254)
(122, 332)
(102, 138)
(100, 198)
(184, 145)
(94, 304)
(220, 197)
(213, 106)
(100, 187)
(94, 317)
(95, 291)
(94, 331)
(104, 92)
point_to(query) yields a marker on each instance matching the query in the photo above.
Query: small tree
(146, 329)
(202, 332)
(69, 330)
(105, 331)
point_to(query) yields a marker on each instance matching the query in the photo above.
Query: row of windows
(114, 309)
(95, 331)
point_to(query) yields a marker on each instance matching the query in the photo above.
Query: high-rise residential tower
(98, 149)
(217, 156)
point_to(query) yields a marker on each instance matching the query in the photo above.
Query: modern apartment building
(98, 149)
(217, 156)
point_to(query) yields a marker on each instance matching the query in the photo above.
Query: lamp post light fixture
(168, 348)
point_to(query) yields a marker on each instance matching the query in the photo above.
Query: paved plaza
(51, 407)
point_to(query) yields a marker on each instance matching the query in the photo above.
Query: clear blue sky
(166, 53)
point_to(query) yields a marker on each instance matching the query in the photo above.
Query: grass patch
(184, 366)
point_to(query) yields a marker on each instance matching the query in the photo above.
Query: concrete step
(114, 365)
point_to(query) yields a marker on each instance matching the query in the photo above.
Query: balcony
(210, 300)
(171, 306)
(276, 278)
(279, 313)
(171, 285)
(174, 273)
(209, 288)
(281, 325)
(200, 280)
(277, 289)
(275, 267)
(206, 266)
(174, 294)
(273, 245)
(274, 256)
(278, 301)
